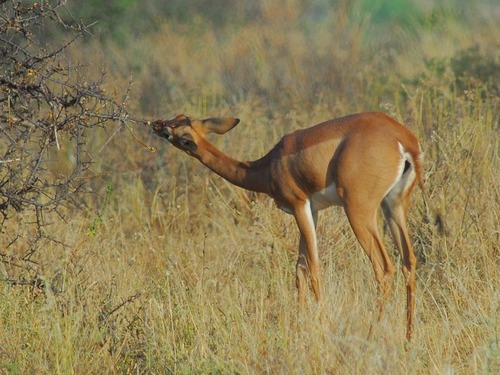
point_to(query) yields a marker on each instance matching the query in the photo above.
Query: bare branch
(45, 104)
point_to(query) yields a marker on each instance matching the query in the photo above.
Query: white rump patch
(402, 181)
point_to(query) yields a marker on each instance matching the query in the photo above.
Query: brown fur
(358, 157)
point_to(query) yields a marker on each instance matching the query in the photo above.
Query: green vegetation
(99, 215)
(183, 273)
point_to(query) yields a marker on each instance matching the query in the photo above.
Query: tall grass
(174, 270)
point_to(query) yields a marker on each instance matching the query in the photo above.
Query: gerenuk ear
(219, 125)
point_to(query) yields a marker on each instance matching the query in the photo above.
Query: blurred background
(289, 51)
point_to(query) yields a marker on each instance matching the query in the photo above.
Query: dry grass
(184, 273)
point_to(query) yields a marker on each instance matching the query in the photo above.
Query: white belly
(320, 200)
(325, 198)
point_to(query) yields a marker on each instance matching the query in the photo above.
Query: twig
(9, 161)
(106, 315)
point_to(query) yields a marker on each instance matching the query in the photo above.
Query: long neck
(248, 175)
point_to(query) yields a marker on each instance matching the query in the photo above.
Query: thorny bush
(46, 105)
